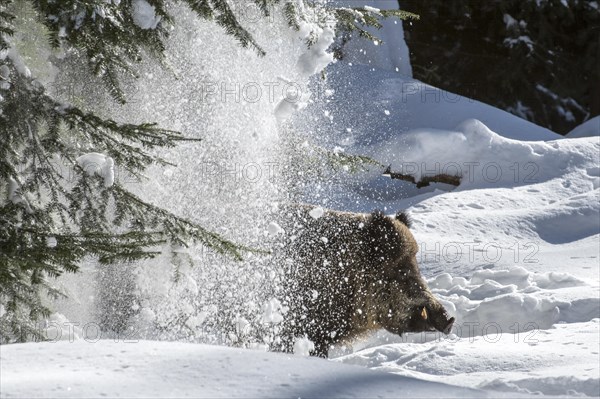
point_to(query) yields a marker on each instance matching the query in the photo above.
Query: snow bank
(547, 189)
(558, 361)
(159, 369)
(482, 157)
(389, 54)
(412, 105)
(589, 128)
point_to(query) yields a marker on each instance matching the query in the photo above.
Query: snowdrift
(166, 369)
(379, 105)
(589, 128)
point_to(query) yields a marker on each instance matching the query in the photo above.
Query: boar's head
(402, 299)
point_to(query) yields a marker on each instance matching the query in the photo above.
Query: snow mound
(480, 156)
(162, 369)
(559, 361)
(589, 128)
(412, 105)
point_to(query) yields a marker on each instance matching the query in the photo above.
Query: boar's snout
(433, 318)
(441, 322)
(448, 327)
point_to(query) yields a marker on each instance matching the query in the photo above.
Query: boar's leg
(321, 347)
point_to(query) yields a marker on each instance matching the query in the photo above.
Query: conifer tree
(60, 201)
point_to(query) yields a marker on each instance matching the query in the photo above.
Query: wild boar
(348, 274)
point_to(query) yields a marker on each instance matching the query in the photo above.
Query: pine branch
(338, 160)
(106, 32)
(6, 27)
(425, 181)
(202, 8)
(76, 209)
(355, 19)
(266, 5)
(227, 20)
(323, 161)
(291, 15)
(177, 229)
(115, 139)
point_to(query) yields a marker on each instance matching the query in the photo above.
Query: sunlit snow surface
(162, 370)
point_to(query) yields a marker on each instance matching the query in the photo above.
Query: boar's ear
(377, 216)
(403, 218)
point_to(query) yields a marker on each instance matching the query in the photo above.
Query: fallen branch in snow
(425, 180)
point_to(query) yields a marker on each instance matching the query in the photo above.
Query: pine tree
(60, 200)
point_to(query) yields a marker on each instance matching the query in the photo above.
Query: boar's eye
(424, 313)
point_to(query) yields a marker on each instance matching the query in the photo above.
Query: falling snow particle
(274, 229)
(303, 346)
(317, 212)
(51, 242)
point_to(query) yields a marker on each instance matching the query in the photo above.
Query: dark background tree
(536, 59)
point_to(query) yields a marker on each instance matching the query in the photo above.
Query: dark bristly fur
(349, 273)
(404, 218)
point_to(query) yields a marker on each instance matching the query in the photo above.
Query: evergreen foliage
(537, 59)
(339, 161)
(355, 19)
(112, 40)
(55, 209)
(59, 210)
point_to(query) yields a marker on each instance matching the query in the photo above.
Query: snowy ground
(166, 369)
(513, 253)
(558, 361)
